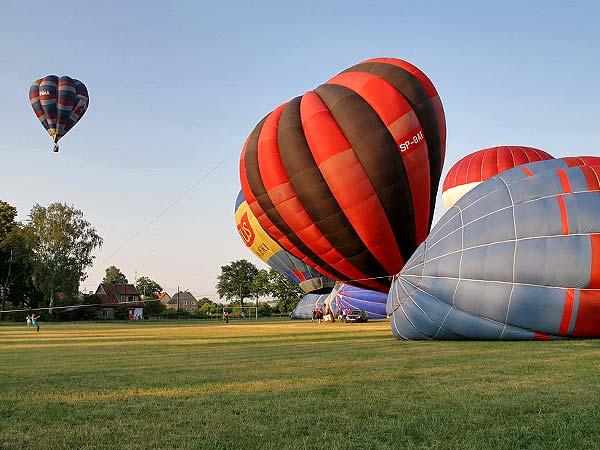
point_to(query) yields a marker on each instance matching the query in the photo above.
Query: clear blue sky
(176, 86)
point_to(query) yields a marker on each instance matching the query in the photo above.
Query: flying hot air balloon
(517, 257)
(58, 103)
(477, 167)
(270, 252)
(345, 176)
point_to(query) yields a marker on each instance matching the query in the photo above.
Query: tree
(235, 281)
(8, 225)
(16, 266)
(112, 275)
(8, 214)
(261, 284)
(203, 301)
(264, 309)
(63, 242)
(146, 286)
(153, 308)
(288, 293)
(209, 308)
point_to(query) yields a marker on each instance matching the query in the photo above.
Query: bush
(173, 314)
(121, 312)
(153, 308)
(197, 315)
(264, 310)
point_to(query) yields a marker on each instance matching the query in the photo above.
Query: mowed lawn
(289, 385)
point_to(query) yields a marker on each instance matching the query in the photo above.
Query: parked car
(357, 315)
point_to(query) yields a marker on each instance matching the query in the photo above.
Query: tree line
(241, 283)
(241, 280)
(49, 252)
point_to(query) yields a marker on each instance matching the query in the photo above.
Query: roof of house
(110, 294)
(182, 296)
(162, 295)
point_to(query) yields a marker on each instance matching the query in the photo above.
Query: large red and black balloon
(345, 176)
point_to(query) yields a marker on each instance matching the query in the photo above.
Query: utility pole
(178, 297)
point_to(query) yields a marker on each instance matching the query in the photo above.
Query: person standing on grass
(314, 316)
(28, 321)
(34, 321)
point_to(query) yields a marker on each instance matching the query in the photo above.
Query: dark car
(357, 315)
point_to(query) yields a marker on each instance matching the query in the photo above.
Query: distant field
(290, 385)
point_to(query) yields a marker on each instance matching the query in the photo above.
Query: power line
(162, 213)
(79, 306)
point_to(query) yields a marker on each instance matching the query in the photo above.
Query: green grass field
(290, 385)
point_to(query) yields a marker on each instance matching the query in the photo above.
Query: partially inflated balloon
(477, 167)
(573, 161)
(518, 257)
(58, 103)
(308, 304)
(345, 176)
(347, 296)
(270, 252)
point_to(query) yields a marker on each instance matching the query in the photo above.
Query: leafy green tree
(261, 284)
(63, 242)
(8, 215)
(288, 293)
(235, 281)
(203, 301)
(112, 275)
(147, 287)
(16, 269)
(89, 312)
(153, 308)
(209, 309)
(264, 309)
(121, 312)
(84, 308)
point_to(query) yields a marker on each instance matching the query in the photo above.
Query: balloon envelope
(347, 296)
(518, 257)
(345, 176)
(477, 167)
(58, 103)
(270, 252)
(307, 305)
(574, 161)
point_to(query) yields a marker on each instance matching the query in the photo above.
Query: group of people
(321, 313)
(241, 316)
(33, 320)
(327, 315)
(343, 313)
(132, 316)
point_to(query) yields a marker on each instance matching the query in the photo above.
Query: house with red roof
(113, 296)
(163, 297)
